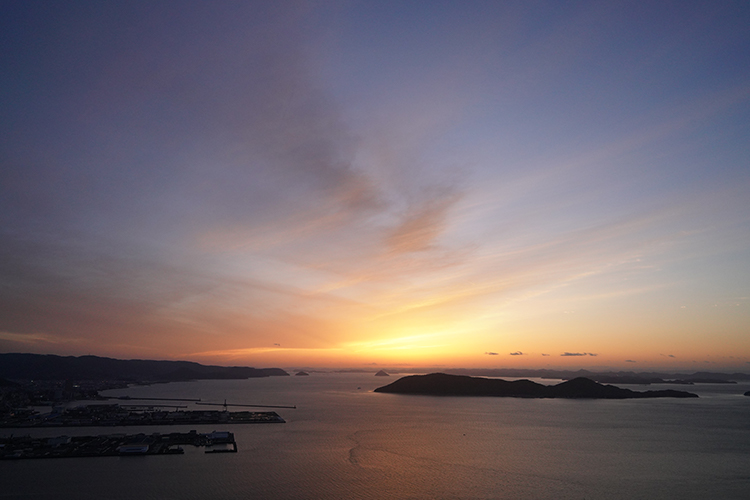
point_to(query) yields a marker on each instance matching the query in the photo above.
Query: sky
(377, 183)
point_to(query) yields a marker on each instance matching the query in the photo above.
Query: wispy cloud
(250, 351)
(288, 184)
(422, 223)
(31, 339)
(405, 342)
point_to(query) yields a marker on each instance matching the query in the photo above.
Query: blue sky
(346, 183)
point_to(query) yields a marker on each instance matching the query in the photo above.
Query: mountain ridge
(26, 366)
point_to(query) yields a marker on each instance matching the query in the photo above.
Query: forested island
(441, 384)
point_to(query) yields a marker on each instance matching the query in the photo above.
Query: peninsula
(50, 367)
(441, 384)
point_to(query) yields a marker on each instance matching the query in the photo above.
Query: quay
(26, 447)
(115, 415)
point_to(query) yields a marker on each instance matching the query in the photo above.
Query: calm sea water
(344, 441)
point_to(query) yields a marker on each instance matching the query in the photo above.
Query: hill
(441, 384)
(50, 367)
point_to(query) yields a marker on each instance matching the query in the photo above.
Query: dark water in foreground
(345, 442)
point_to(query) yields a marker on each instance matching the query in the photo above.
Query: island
(382, 373)
(301, 374)
(441, 384)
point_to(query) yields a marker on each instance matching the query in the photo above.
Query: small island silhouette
(441, 384)
(382, 373)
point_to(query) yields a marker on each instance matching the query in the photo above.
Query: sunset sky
(391, 183)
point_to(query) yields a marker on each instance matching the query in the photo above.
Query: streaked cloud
(421, 225)
(233, 178)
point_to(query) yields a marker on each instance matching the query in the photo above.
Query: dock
(115, 415)
(26, 447)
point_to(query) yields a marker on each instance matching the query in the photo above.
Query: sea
(345, 441)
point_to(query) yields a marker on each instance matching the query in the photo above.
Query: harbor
(26, 447)
(115, 415)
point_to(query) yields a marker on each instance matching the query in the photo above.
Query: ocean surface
(344, 441)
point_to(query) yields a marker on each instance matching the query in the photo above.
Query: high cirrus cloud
(240, 174)
(241, 182)
(422, 223)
